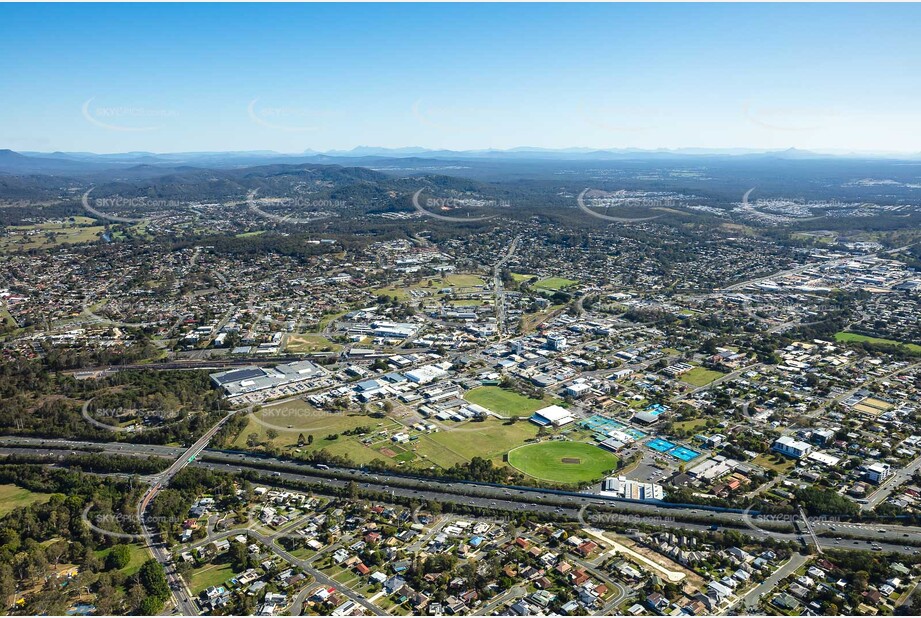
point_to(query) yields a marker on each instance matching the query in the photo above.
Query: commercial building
(622, 487)
(878, 472)
(246, 380)
(552, 415)
(791, 447)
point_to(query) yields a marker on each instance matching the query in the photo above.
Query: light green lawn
(13, 496)
(505, 402)
(563, 462)
(699, 376)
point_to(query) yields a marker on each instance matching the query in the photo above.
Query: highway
(185, 603)
(500, 498)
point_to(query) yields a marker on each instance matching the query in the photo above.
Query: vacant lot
(503, 401)
(563, 462)
(307, 343)
(698, 376)
(209, 575)
(13, 496)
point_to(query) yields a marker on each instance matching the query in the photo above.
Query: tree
(301, 439)
(118, 558)
(271, 434)
(151, 606)
(153, 578)
(310, 439)
(7, 584)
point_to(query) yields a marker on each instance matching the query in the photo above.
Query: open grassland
(288, 420)
(554, 283)
(563, 461)
(845, 337)
(489, 439)
(13, 496)
(51, 234)
(504, 402)
(699, 376)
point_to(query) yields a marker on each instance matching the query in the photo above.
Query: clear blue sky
(115, 78)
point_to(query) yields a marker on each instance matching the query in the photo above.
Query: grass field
(768, 463)
(50, 234)
(209, 575)
(845, 337)
(692, 425)
(699, 376)
(139, 556)
(489, 439)
(503, 401)
(304, 418)
(563, 462)
(554, 283)
(13, 496)
(307, 343)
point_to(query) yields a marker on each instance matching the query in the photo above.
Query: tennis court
(683, 453)
(660, 445)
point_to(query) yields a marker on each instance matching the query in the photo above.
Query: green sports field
(563, 462)
(504, 401)
(555, 283)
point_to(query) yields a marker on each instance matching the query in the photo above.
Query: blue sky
(166, 78)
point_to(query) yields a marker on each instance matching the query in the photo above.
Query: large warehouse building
(552, 415)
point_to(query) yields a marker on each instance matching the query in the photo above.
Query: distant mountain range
(133, 163)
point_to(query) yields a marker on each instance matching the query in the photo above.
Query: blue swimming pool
(660, 445)
(683, 453)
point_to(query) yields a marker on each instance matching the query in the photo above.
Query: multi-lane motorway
(513, 499)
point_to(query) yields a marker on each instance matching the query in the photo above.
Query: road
(182, 596)
(751, 599)
(897, 478)
(512, 499)
(499, 288)
(305, 565)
